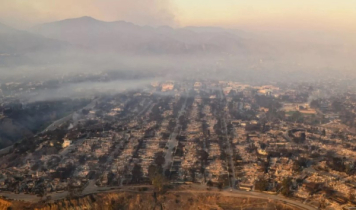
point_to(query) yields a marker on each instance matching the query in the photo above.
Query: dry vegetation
(147, 200)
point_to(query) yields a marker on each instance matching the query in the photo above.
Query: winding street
(194, 189)
(246, 194)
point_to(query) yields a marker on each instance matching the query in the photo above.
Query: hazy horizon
(255, 41)
(328, 15)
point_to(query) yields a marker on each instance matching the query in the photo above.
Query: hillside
(14, 41)
(123, 37)
(22, 122)
(146, 201)
(11, 131)
(120, 36)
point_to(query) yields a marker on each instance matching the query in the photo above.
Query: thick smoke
(79, 52)
(88, 89)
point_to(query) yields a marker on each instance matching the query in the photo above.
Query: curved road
(92, 189)
(246, 194)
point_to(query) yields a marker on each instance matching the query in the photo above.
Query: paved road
(23, 197)
(146, 108)
(230, 151)
(172, 141)
(246, 194)
(296, 203)
(238, 193)
(234, 193)
(92, 189)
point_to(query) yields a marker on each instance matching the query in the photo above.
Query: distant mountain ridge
(79, 41)
(13, 41)
(120, 36)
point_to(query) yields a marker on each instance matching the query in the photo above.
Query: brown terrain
(182, 199)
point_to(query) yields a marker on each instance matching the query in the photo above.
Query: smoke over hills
(84, 45)
(14, 41)
(126, 37)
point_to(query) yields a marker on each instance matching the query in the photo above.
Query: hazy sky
(300, 14)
